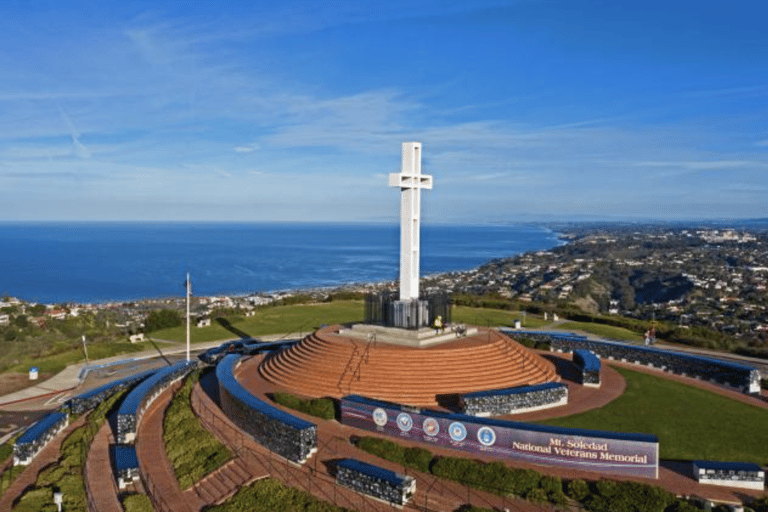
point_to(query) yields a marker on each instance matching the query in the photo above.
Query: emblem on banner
(380, 416)
(486, 436)
(404, 421)
(431, 427)
(457, 431)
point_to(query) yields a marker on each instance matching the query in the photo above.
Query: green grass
(193, 451)
(690, 423)
(269, 495)
(57, 362)
(274, 320)
(495, 317)
(323, 408)
(606, 331)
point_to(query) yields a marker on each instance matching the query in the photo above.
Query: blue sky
(262, 111)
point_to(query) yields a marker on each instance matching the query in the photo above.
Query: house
(135, 338)
(4, 319)
(203, 322)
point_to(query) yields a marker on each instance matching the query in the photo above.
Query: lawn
(273, 320)
(308, 317)
(606, 331)
(496, 318)
(690, 423)
(57, 362)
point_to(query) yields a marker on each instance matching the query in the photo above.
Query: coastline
(356, 256)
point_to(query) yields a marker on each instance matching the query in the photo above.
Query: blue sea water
(100, 262)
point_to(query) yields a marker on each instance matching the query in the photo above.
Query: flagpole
(189, 285)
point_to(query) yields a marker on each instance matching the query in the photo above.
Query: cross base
(409, 314)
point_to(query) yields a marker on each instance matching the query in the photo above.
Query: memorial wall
(614, 453)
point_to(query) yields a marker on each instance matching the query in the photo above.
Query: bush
(418, 458)
(323, 408)
(682, 506)
(612, 496)
(577, 489)
(382, 448)
(163, 319)
(137, 503)
(760, 504)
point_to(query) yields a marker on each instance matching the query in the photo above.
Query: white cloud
(244, 149)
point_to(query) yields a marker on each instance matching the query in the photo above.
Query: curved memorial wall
(520, 399)
(91, 399)
(136, 402)
(285, 434)
(742, 377)
(37, 436)
(613, 453)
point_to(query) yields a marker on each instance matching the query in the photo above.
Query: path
(101, 494)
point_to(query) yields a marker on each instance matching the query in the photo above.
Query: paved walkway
(159, 479)
(98, 468)
(48, 455)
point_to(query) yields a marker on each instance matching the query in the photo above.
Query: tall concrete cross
(411, 181)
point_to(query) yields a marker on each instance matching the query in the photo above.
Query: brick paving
(102, 492)
(159, 479)
(48, 455)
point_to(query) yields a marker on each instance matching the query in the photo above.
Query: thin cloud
(80, 149)
(221, 173)
(244, 149)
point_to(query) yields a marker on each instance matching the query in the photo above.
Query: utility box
(34, 373)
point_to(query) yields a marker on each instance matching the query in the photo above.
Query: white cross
(411, 181)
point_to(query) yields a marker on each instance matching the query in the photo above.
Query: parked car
(212, 356)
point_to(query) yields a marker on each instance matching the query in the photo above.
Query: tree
(163, 319)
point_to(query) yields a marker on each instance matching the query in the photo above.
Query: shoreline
(559, 239)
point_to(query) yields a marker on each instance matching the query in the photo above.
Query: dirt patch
(12, 382)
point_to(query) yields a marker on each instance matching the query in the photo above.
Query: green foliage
(162, 319)
(193, 451)
(417, 458)
(413, 457)
(319, 407)
(137, 503)
(493, 477)
(681, 416)
(610, 496)
(577, 489)
(269, 495)
(760, 504)
(681, 505)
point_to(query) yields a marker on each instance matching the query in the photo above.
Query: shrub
(577, 489)
(682, 506)
(760, 504)
(163, 319)
(418, 458)
(319, 407)
(612, 496)
(382, 448)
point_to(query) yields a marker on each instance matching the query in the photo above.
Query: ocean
(116, 261)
